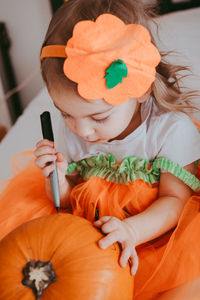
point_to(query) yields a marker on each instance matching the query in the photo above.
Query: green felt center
(115, 73)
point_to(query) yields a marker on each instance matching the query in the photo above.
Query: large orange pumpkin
(59, 258)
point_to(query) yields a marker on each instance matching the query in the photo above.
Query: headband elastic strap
(53, 51)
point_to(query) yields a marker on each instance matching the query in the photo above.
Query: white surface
(27, 131)
(26, 22)
(4, 113)
(179, 31)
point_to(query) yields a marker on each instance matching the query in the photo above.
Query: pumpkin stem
(38, 275)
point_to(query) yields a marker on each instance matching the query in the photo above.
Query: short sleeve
(182, 142)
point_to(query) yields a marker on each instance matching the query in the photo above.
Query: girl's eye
(100, 120)
(66, 116)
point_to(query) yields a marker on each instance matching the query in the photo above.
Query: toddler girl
(128, 152)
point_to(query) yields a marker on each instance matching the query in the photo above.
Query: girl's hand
(121, 232)
(45, 153)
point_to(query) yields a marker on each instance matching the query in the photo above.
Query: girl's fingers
(110, 225)
(103, 220)
(108, 240)
(42, 161)
(60, 157)
(125, 254)
(44, 150)
(48, 170)
(134, 261)
(45, 142)
(129, 252)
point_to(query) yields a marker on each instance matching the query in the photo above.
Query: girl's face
(96, 121)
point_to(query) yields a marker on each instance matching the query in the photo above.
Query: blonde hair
(166, 88)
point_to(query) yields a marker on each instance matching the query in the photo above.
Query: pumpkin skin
(83, 270)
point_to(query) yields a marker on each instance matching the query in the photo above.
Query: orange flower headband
(108, 59)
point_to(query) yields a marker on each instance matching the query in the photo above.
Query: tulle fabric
(111, 199)
(164, 263)
(23, 197)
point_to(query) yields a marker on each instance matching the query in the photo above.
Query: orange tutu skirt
(164, 263)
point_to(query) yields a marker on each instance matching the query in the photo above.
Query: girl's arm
(164, 213)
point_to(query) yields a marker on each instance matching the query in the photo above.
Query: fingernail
(101, 245)
(97, 222)
(123, 264)
(134, 272)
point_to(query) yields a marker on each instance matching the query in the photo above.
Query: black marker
(48, 134)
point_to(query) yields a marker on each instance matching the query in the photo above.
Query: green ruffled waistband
(131, 169)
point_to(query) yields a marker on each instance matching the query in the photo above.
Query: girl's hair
(166, 87)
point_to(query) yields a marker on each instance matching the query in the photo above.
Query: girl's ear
(144, 97)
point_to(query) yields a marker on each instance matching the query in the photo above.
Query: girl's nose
(84, 128)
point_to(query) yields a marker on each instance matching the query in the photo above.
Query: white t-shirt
(171, 135)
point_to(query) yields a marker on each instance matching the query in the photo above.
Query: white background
(26, 23)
